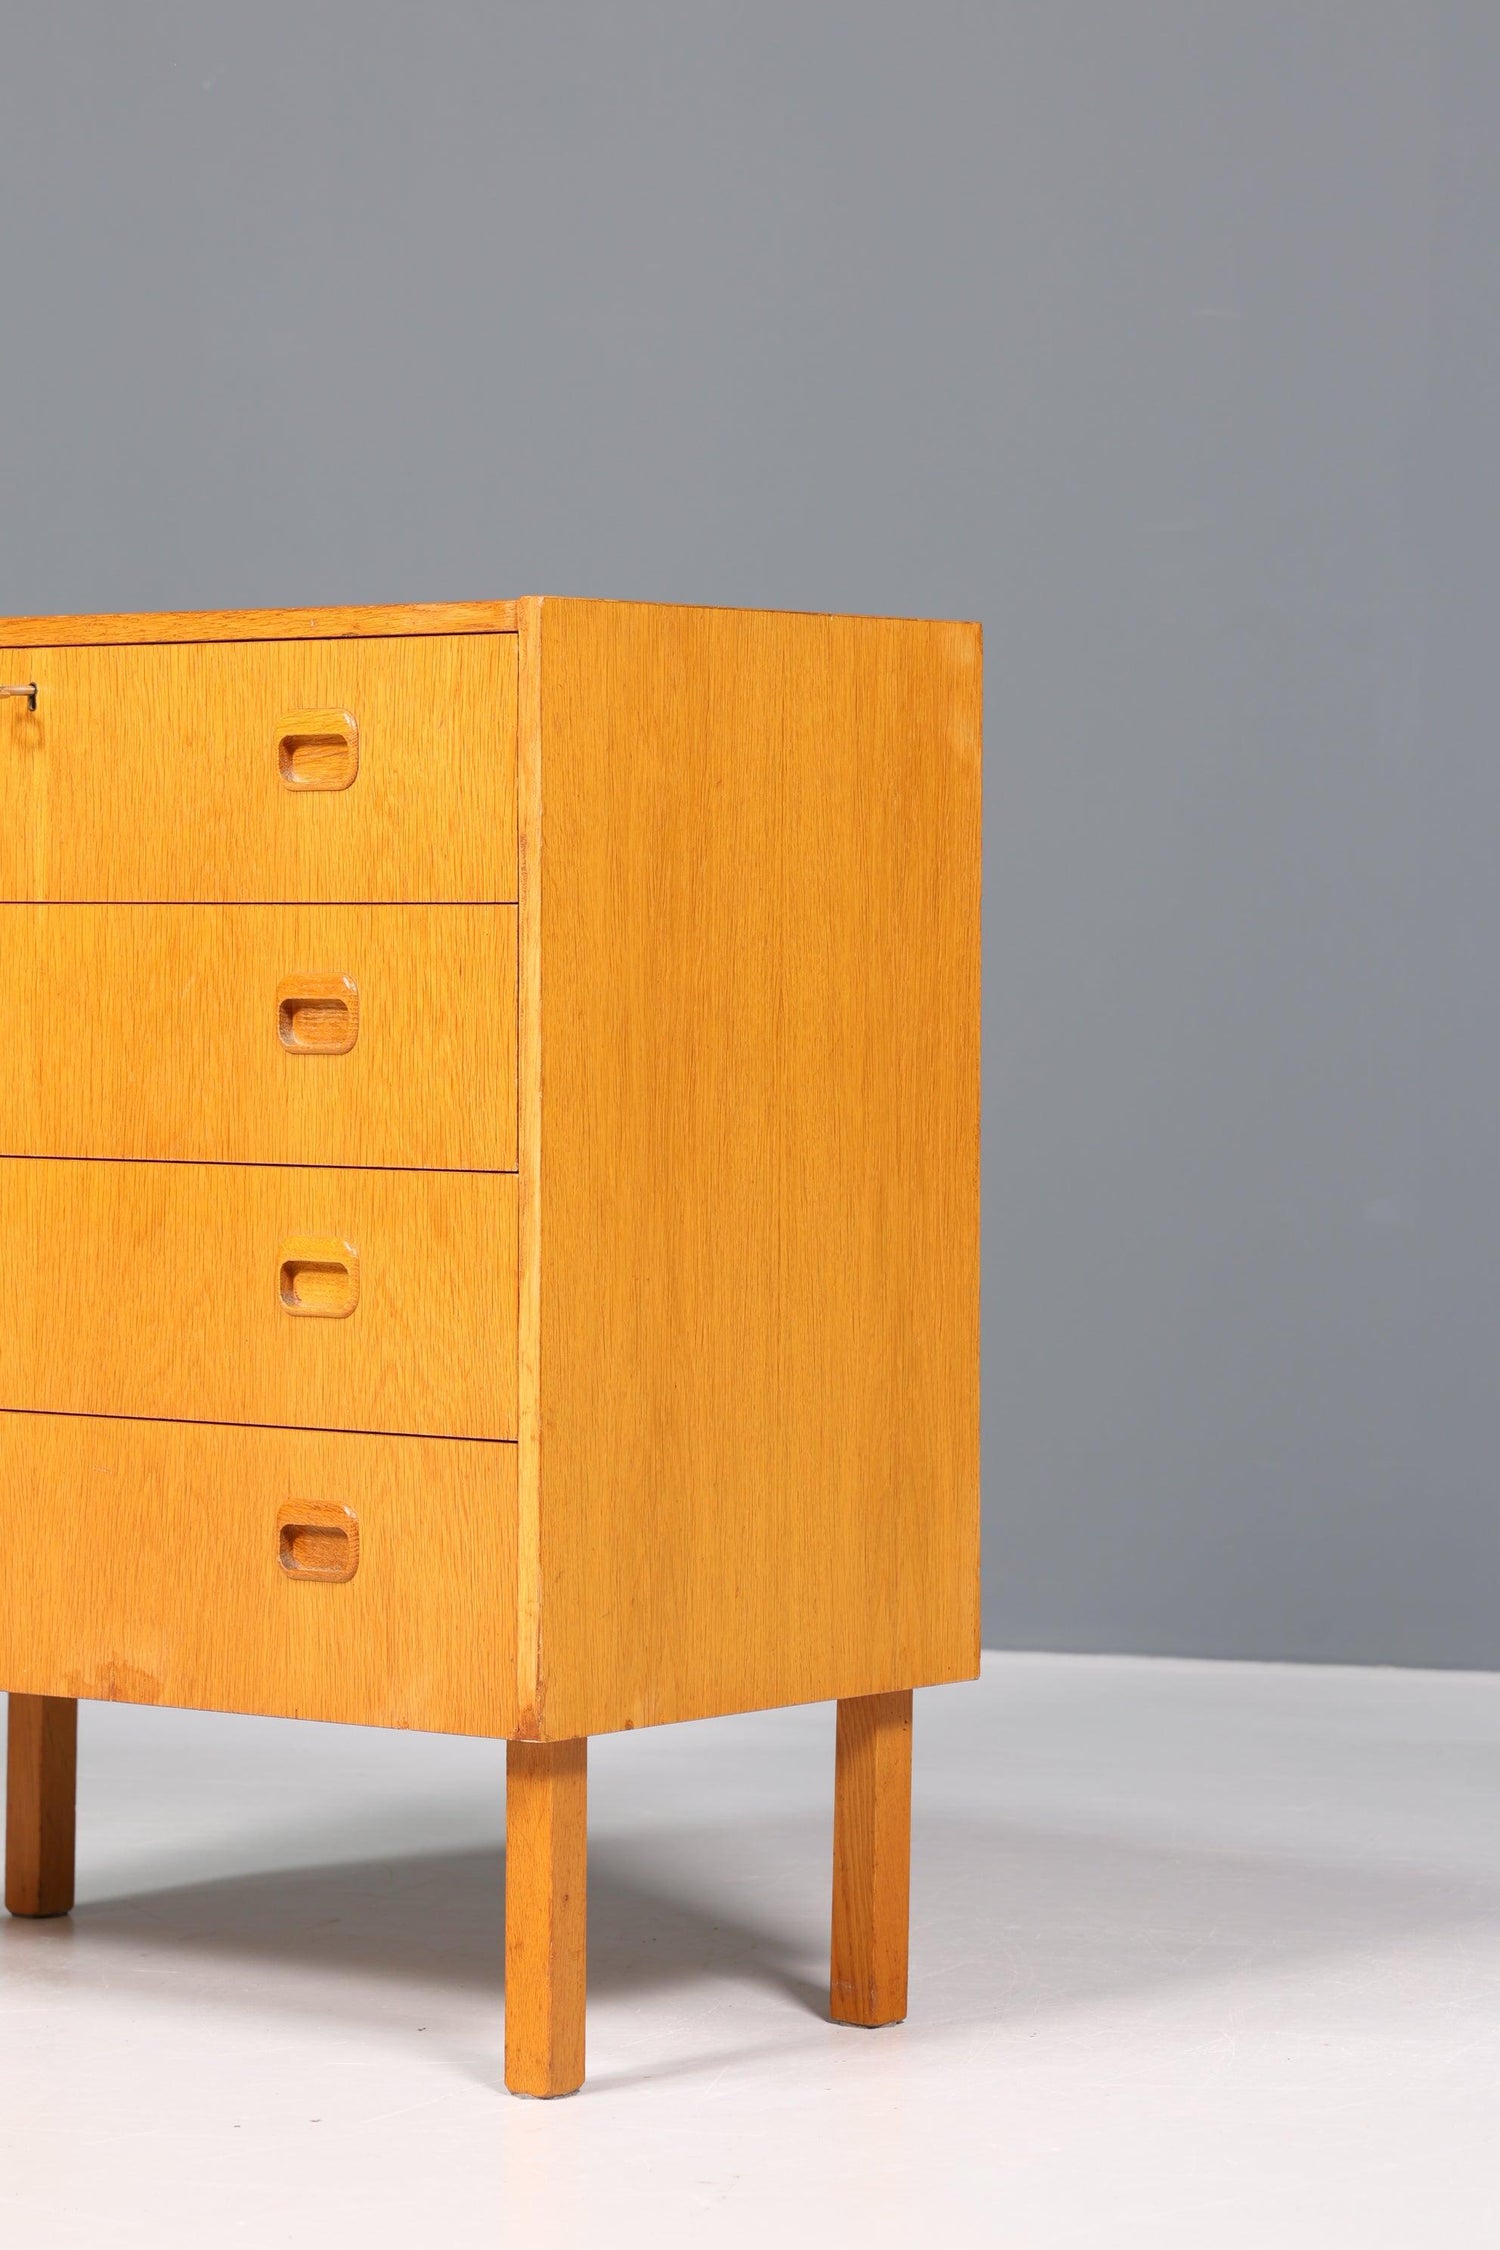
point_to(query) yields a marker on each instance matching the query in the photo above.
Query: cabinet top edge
(375, 622)
(372, 623)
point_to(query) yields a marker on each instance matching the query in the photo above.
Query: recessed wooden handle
(318, 750)
(318, 1277)
(317, 1014)
(316, 1539)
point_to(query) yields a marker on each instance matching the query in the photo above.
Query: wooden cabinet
(489, 1201)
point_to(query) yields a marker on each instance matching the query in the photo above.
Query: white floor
(1203, 1954)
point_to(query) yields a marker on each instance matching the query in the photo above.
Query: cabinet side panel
(757, 1234)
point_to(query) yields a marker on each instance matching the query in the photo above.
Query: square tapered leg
(40, 1797)
(871, 1859)
(546, 1915)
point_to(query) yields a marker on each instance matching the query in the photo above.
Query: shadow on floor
(1012, 1925)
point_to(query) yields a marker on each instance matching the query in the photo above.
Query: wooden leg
(546, 1915)
(871, 1859)
(40, 1793)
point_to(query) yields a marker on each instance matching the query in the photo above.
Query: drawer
(339, 1300)
(222, 1034)
(242, 770)
(147, 1562)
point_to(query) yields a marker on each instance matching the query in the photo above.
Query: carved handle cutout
(315, 1539)
(318, 1277)
(318, 750)
(317, 1015)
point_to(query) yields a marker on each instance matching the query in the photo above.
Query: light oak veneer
(749, 1160)
(552, 1022)
(157, 1290)
(172, 1032)
(153, 771)
(150, 1555)
(397, 620)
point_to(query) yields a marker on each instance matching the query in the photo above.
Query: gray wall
(1164, 339)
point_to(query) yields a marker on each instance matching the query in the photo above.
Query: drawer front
(260, 1034)
(332, 1299)
(148, 1562)
(368, 769)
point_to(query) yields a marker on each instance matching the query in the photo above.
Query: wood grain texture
(871, 1860)
(149, 1555)
(155, 1290)
(529, 1683)
(157, 1031)
(377, 622)
(41, 1789)
(750, 913)
(154, 772)
(546, 1916)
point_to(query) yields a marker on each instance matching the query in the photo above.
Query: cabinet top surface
(259, 624)
(368, 623)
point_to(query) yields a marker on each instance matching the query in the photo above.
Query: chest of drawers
(489, 1203)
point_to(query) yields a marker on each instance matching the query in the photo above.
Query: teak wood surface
(871, 1859)
(149, 1552)
(749, 1151)
(41, 1781)
(155, 1290)
(546, 1916)
(151, 773)
(154, 1031)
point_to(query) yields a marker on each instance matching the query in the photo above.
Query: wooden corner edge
(530, 1678)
